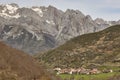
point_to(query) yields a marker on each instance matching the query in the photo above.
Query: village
(80, 71)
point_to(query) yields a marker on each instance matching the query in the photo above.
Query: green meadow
(101, 76)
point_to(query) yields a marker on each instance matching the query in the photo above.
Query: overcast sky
(106, 9)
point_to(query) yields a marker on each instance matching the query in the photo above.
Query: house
(94, 71)
(77, 71)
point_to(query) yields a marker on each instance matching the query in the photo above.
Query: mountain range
(42, 28)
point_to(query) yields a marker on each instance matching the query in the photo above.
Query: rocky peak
(9, 11)
(74, 12)
(99, 21)
(14, 5)
(118, 21)
(89, 18)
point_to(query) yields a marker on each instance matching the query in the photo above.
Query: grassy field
(102, 76)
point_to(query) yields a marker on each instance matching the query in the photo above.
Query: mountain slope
(94, 49)
(16, 65)
(42, 28)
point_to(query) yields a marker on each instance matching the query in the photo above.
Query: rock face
(16, 65)
(42, 28)
(89, 50)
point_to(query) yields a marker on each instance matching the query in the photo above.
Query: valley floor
(102, 76)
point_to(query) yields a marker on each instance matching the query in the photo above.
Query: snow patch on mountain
(50, 22)
(5, 15)
(11, 8)
(9, 11)
(39, 11)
